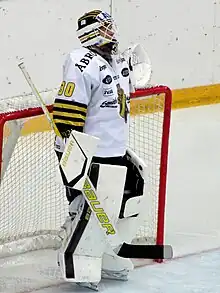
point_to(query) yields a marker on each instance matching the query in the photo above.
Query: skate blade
(121, 276)
(91, 286)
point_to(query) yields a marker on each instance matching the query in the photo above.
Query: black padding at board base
(146, 251)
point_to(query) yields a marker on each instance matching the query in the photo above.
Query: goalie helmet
(97, 28)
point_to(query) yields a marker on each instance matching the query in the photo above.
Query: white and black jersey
(94, 98)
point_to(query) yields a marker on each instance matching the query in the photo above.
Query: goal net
(32, 202)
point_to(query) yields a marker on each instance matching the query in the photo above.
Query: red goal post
(29, 192)
(165, 108)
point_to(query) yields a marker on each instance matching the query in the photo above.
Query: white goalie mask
(97, 28)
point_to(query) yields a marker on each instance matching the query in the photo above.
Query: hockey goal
(32, 202)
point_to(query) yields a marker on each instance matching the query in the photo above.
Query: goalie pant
(77, 224)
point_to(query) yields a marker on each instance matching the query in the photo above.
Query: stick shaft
(39, 98)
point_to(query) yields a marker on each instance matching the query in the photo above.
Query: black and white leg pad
(135, 198)
(80, 255)
(135, 187)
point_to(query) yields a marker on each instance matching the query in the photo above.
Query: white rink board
(183, 53)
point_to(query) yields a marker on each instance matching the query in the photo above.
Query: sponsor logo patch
(109, 104)
(125, 72)
(103, 67)
(107, 79)
(108, 92)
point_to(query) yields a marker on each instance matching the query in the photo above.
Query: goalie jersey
(94, 98)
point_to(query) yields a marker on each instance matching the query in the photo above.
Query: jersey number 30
(67, 89)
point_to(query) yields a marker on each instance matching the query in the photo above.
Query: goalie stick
(145, 251)
(126, 250)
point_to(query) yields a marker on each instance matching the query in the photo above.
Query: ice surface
(195, 274)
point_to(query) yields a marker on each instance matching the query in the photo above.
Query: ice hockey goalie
(105, 181)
